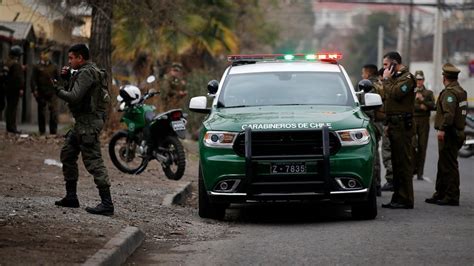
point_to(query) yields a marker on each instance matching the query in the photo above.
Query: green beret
(419, 74)
(450, 71)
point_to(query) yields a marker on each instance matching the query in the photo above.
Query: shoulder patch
(404, 88)
(450, 99)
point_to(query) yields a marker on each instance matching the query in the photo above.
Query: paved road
(312, 235)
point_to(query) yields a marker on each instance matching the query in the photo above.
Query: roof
(22, 30)
(296, 66)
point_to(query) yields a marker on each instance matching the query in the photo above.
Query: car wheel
(366, 210)
(206, 208)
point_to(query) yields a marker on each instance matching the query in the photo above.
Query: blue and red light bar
(325, 57)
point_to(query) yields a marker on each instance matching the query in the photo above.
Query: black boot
(106, 207)
(70, 200)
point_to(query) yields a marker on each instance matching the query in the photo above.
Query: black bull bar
(323, 171)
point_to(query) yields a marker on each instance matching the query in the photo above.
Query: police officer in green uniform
(399, 89)
(451, 111)
(424, 104)
(14, 87)
(43, 90)
(80, 93)
(370, 72)
(173, 88)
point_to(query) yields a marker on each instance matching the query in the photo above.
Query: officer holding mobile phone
(399, 91)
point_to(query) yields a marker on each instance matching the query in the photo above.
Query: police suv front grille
(287, 184)
(265, 143)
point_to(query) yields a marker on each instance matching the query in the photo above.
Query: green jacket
(41, 77)
(169, 92)
(428, 101)
(78, 90)
(399, 93)
(451, 108)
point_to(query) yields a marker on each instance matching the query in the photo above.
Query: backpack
(100, 99)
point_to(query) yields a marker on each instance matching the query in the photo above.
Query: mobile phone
(393, 67)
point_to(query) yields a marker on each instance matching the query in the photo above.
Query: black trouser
(49, 101)
(400, 134)
(447, 177)
(422, 131)
(10, 112)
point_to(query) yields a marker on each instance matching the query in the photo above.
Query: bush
(197, 86)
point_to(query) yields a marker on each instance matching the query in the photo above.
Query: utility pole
(401, 33)
(438, 48)
(410, 31)
(380, 47)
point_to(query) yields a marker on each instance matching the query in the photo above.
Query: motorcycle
(467, 150)
(148, 137)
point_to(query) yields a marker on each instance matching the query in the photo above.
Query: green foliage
(362, 47)
(197, 86)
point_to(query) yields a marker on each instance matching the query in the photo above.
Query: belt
(398, 118)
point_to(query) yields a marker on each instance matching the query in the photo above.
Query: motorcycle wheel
(123, 153)
(176, 163)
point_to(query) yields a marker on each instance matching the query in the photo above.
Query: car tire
(206, 208)
(366, 210)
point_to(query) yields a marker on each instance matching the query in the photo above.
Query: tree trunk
(101, 45)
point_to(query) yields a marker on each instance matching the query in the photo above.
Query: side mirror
(199, 105)
(212, 87)
(371, 101)
(365, 85)
(150, 79)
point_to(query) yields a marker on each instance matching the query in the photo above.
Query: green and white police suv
(286, 127)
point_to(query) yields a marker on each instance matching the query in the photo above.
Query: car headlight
(219, 139)
(353, 137)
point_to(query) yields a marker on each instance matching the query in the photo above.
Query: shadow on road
(288, 213)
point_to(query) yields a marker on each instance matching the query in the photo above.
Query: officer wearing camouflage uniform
(386, 152)
(42, 87)
(14, 87)
(450, 119)
(399, 89)
(173, 88)
(424, 104)
(80, 92)
(369, 72)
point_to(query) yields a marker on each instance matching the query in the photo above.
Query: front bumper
(326, 178)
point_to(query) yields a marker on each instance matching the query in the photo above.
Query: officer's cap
(450, 71)
(419, 74)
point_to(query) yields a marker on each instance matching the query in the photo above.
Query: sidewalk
(34, 231)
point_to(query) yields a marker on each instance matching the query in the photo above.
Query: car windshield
(285, 88)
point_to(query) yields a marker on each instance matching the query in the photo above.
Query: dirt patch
(34, 231)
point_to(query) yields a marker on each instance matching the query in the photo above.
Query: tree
(362, 47)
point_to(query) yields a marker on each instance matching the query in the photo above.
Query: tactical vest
(97, 98)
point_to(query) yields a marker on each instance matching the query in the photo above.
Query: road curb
(178, 196)
(117, 250)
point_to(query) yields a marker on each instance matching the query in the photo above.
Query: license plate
(287, 168)
(178, 125)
